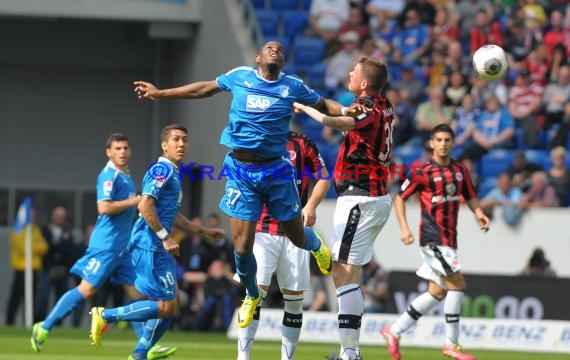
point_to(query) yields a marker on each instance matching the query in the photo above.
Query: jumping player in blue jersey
(261, 107)
(152, 247)
(106, 256)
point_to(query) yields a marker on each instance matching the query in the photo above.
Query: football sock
(421, 305)
(247, 335)
(66, 304)
(292, 322)
(350, 309)
(452, 309)
(138, 311)
(154, 329)
(312, 242)
(246, 268)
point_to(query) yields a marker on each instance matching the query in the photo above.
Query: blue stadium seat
(495, 162)
(536, 156)
(268, 21)
(289, 68)
(313, 129)
(295, 23)
(306, 4)
(284, 4)
(258, 4)
(486, 186)
(315, 76)
(308, 51)
(408, 154)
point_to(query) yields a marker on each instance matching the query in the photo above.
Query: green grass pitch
(74, 344)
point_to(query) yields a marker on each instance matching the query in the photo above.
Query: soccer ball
(490, 62)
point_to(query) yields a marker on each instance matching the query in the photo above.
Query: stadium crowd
(428, 45)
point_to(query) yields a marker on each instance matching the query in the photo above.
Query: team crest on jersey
(292, 155)
(295, 206)
(450, 189)
(459, 176)
(107, 187)
(258, 103)
(284, 91)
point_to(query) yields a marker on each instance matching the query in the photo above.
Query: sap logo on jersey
(259, 103)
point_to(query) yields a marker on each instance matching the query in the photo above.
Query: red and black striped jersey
(366, 151)
(440, 189)
(307, 160)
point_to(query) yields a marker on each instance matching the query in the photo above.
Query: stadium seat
(408, 154)
(536, 156)
(258, 4)
(313, 129)
(295, 23)
(289, 68)
(486, 186)
(284, 4)
(315, 76)
(308, 51)
(306, 4)
(495, 162)
(268, 21)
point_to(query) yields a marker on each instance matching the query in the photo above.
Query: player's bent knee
(167, 308)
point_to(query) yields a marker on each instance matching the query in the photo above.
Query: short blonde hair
(559, 150)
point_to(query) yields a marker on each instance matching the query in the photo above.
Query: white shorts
(357, 222)
(439, 262)
(277, 255)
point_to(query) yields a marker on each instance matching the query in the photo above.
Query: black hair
(443, 128)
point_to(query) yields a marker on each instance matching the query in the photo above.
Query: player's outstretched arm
(333, 108)
(343, 123)
(406, 235)
(479, 214)
(212, 234)
(196, 90)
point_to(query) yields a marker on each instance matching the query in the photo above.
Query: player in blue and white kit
(106, 256)
(260, 111)
(152, 247)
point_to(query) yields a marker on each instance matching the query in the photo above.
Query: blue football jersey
(113, 231)
(162, 182)
(261, 109)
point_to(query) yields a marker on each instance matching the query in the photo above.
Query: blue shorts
(97, 265)
(156, 274)
(249, 187)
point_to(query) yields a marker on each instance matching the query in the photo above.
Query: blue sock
(312, 242)
(154, 329)
(138, 326)
(246, 268)
(66, 304)
(138, 311)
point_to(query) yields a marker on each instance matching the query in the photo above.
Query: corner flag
(23, 217)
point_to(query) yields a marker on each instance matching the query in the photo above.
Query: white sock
(292, 322)
(247, 335)
(350, 309)
(452, 310)
(421, 305)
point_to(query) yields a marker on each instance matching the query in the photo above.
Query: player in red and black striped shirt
(440, 183)
(276, 254)
(363, 205)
